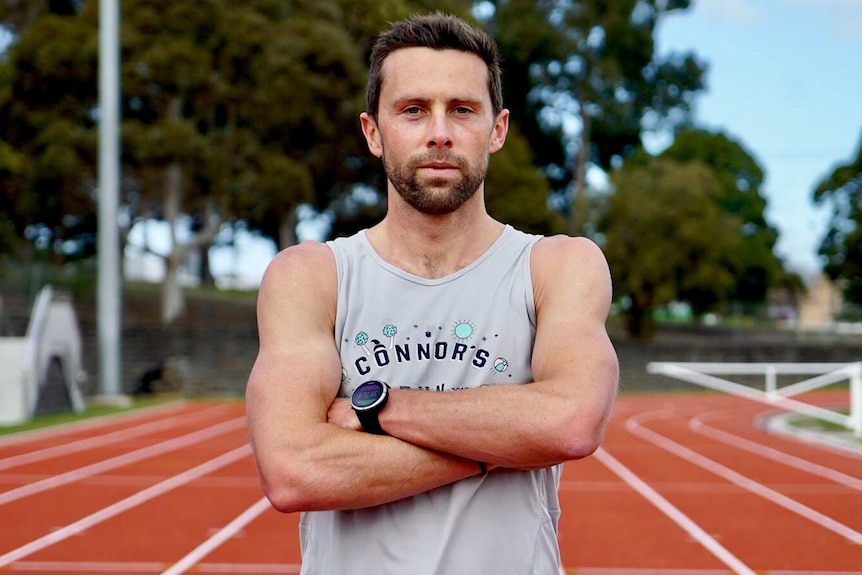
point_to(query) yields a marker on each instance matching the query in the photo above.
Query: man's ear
(372, 134)
(498, 134)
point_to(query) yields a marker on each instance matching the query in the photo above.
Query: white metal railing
(704, 374)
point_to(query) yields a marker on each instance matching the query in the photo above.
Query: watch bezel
(377, 403)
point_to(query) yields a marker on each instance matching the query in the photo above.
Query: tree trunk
(578, 209)
(287, 230)
(173, 303)
(640, 323)
(205, 273)
(173, 300)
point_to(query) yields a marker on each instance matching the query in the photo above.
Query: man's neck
(434, 246)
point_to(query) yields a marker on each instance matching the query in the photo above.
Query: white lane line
(677, 516)
(648, 571)
(121, 460)
(90, 422)
(292, 568)
(191, 561)
(125, 504)
(153, 567)
(663, 571)
(88, 566)
(698, 425)
(246, 568)
(239, 480)
(228, 531)
(101, 440)
(633, 425)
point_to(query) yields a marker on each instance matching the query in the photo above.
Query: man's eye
(412, 110)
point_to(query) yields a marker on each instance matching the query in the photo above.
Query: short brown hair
(438, 31)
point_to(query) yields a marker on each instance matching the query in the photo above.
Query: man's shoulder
(307, 260)
(561, 249)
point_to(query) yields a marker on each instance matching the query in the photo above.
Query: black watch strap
(370, 422)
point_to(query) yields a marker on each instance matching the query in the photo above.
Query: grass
(90, 412)
(813, 424)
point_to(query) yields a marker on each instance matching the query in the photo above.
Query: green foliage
(516, 191)
(594, 60)
(47, 98)
(841, 245)
(667, 239)
(740, 180)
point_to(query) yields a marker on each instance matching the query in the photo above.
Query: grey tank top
(475, 327)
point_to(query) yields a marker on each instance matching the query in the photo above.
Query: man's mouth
(439, 166)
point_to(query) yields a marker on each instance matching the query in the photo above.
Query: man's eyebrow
(461, 100)
(469, 101)
(409, 100)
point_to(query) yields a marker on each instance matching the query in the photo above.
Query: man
(420, 384)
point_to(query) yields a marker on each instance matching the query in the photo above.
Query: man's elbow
(580, 445)
(289, 492)
(583, 437)
(584, 425)
(282, 494)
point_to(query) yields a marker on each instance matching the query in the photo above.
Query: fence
(781, 396)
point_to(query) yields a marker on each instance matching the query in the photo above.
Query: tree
(841, 245)
(234, 111)
(516, 191)
(740, 179)
(667, 239)
(229, 111)
(595, 61)
(17, 15)
(47, 141)
(14, 173)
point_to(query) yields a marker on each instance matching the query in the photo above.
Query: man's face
(435, 127)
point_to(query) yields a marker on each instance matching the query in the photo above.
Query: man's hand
(341, 414)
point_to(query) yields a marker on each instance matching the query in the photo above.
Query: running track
(685, 484)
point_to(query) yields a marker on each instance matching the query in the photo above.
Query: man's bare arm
(558, 417)
(304, 462)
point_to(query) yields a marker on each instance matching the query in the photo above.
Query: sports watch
(367, 400)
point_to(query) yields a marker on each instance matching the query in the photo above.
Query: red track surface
(685, 484)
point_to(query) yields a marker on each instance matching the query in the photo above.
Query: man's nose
(440, 131)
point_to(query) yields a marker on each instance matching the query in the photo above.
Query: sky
(784, 80)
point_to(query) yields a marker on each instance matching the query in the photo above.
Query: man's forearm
(345, 469)
(517, 426)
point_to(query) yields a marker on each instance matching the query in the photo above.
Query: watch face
(367, 394)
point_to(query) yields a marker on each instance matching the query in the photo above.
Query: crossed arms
(310, 452)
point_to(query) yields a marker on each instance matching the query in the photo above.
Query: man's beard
(436, 196)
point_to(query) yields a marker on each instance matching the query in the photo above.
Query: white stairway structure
(42, 372)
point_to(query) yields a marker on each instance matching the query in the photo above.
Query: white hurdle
(703, 374)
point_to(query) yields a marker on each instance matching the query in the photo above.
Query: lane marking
(699, 426)
(648, 571)
(675, 515)
(228, 531)
(102, 440)
(663, 571)
(293, 568)
(125, 504)
(88, 566)
(152, 567)
(124, 480)
(634, 426)
(120, 460)
(90, 422)
(191, 560)
(249, 568)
